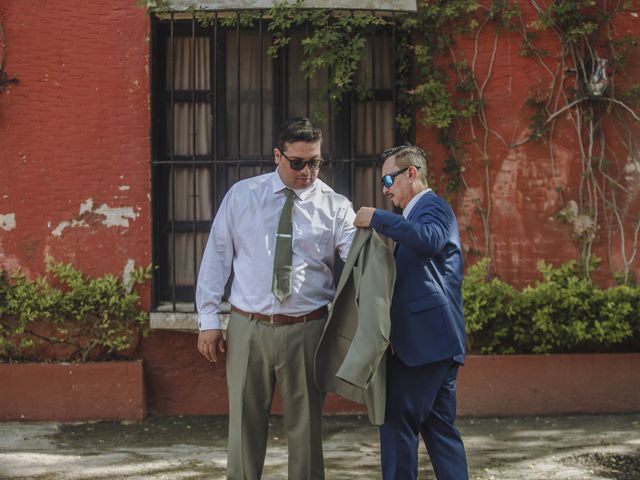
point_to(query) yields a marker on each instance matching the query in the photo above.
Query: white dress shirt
(243, 237)
(412, 203)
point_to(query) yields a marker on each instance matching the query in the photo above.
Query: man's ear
(276, 156)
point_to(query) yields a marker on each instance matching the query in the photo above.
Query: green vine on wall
(589, 84)
(585, 32)
(449, 94)
(445, 89)
(336, 43)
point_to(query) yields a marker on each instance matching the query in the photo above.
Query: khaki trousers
(259, 357)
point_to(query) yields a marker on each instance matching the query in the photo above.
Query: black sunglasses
(387, 180)
(298, 164)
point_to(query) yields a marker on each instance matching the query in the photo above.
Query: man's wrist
(209, 322)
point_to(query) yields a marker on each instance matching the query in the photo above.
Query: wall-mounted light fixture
(597, 83)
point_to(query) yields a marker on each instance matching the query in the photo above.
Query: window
(218, 100)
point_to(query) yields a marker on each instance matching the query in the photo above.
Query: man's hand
(364, 216)
(209, 341)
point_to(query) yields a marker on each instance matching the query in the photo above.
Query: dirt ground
(594, 447)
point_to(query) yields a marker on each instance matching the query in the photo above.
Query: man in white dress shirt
(272, 342)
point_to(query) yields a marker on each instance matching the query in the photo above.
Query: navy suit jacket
(427, 320)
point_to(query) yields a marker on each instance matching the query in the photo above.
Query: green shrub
(69, 317)
(487, 307)
(564, 312)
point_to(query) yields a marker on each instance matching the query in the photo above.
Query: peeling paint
(60, 228)
(584, 227)
(124, 188)
(116, 217)
(633, 166)
(86, 206)
(65, 224)
(8, 221)
(126, 273)
(90, 216)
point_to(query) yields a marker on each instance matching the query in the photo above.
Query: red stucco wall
(74, 134)
(520, 194)
(75, 166)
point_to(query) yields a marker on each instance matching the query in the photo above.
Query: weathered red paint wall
(75, 174)
(74, 135)
(72, 392)
(521, 193)
(549, 384)
(179, 381)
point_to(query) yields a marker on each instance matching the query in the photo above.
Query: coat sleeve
(371, 338)
(426, 233)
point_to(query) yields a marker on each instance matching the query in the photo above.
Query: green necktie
(281, 286)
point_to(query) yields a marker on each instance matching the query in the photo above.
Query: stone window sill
(183, 319)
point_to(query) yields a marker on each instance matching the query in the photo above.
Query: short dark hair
(298, 129)
(408, 154)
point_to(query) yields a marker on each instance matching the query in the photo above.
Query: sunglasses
(387, 180)
(298, 164)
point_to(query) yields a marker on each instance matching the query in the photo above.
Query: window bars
(218, 100)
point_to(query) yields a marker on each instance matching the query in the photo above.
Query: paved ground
(594, 447)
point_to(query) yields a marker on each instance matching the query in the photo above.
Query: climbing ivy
(601, 112)
(336, 42)
(439, 85)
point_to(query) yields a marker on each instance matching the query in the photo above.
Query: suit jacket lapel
(419, 205)
(361, 237)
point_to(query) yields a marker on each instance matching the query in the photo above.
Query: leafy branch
(91, 318)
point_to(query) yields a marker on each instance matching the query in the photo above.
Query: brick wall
(75, 176)
(521, 191)
(74, 135)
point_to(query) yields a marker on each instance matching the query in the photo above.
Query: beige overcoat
(350, 357)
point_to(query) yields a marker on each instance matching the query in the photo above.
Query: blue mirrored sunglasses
(387, 180)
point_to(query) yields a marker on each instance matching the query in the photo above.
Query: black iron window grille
(218, 100)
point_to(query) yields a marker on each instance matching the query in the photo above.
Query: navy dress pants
(421, 401)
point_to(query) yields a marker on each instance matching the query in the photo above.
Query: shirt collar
(412, 202)
(302, 193)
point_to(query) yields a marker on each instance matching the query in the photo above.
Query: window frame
(342, 158)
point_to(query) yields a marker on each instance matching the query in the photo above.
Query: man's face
(400, 193)
(297, 151)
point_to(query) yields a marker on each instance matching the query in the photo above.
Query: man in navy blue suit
(427, 322)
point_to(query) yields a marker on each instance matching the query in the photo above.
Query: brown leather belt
(280, 319)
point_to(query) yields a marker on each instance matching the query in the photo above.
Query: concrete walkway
(551, 448)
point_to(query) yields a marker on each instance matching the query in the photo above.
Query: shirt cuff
(209, 321)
